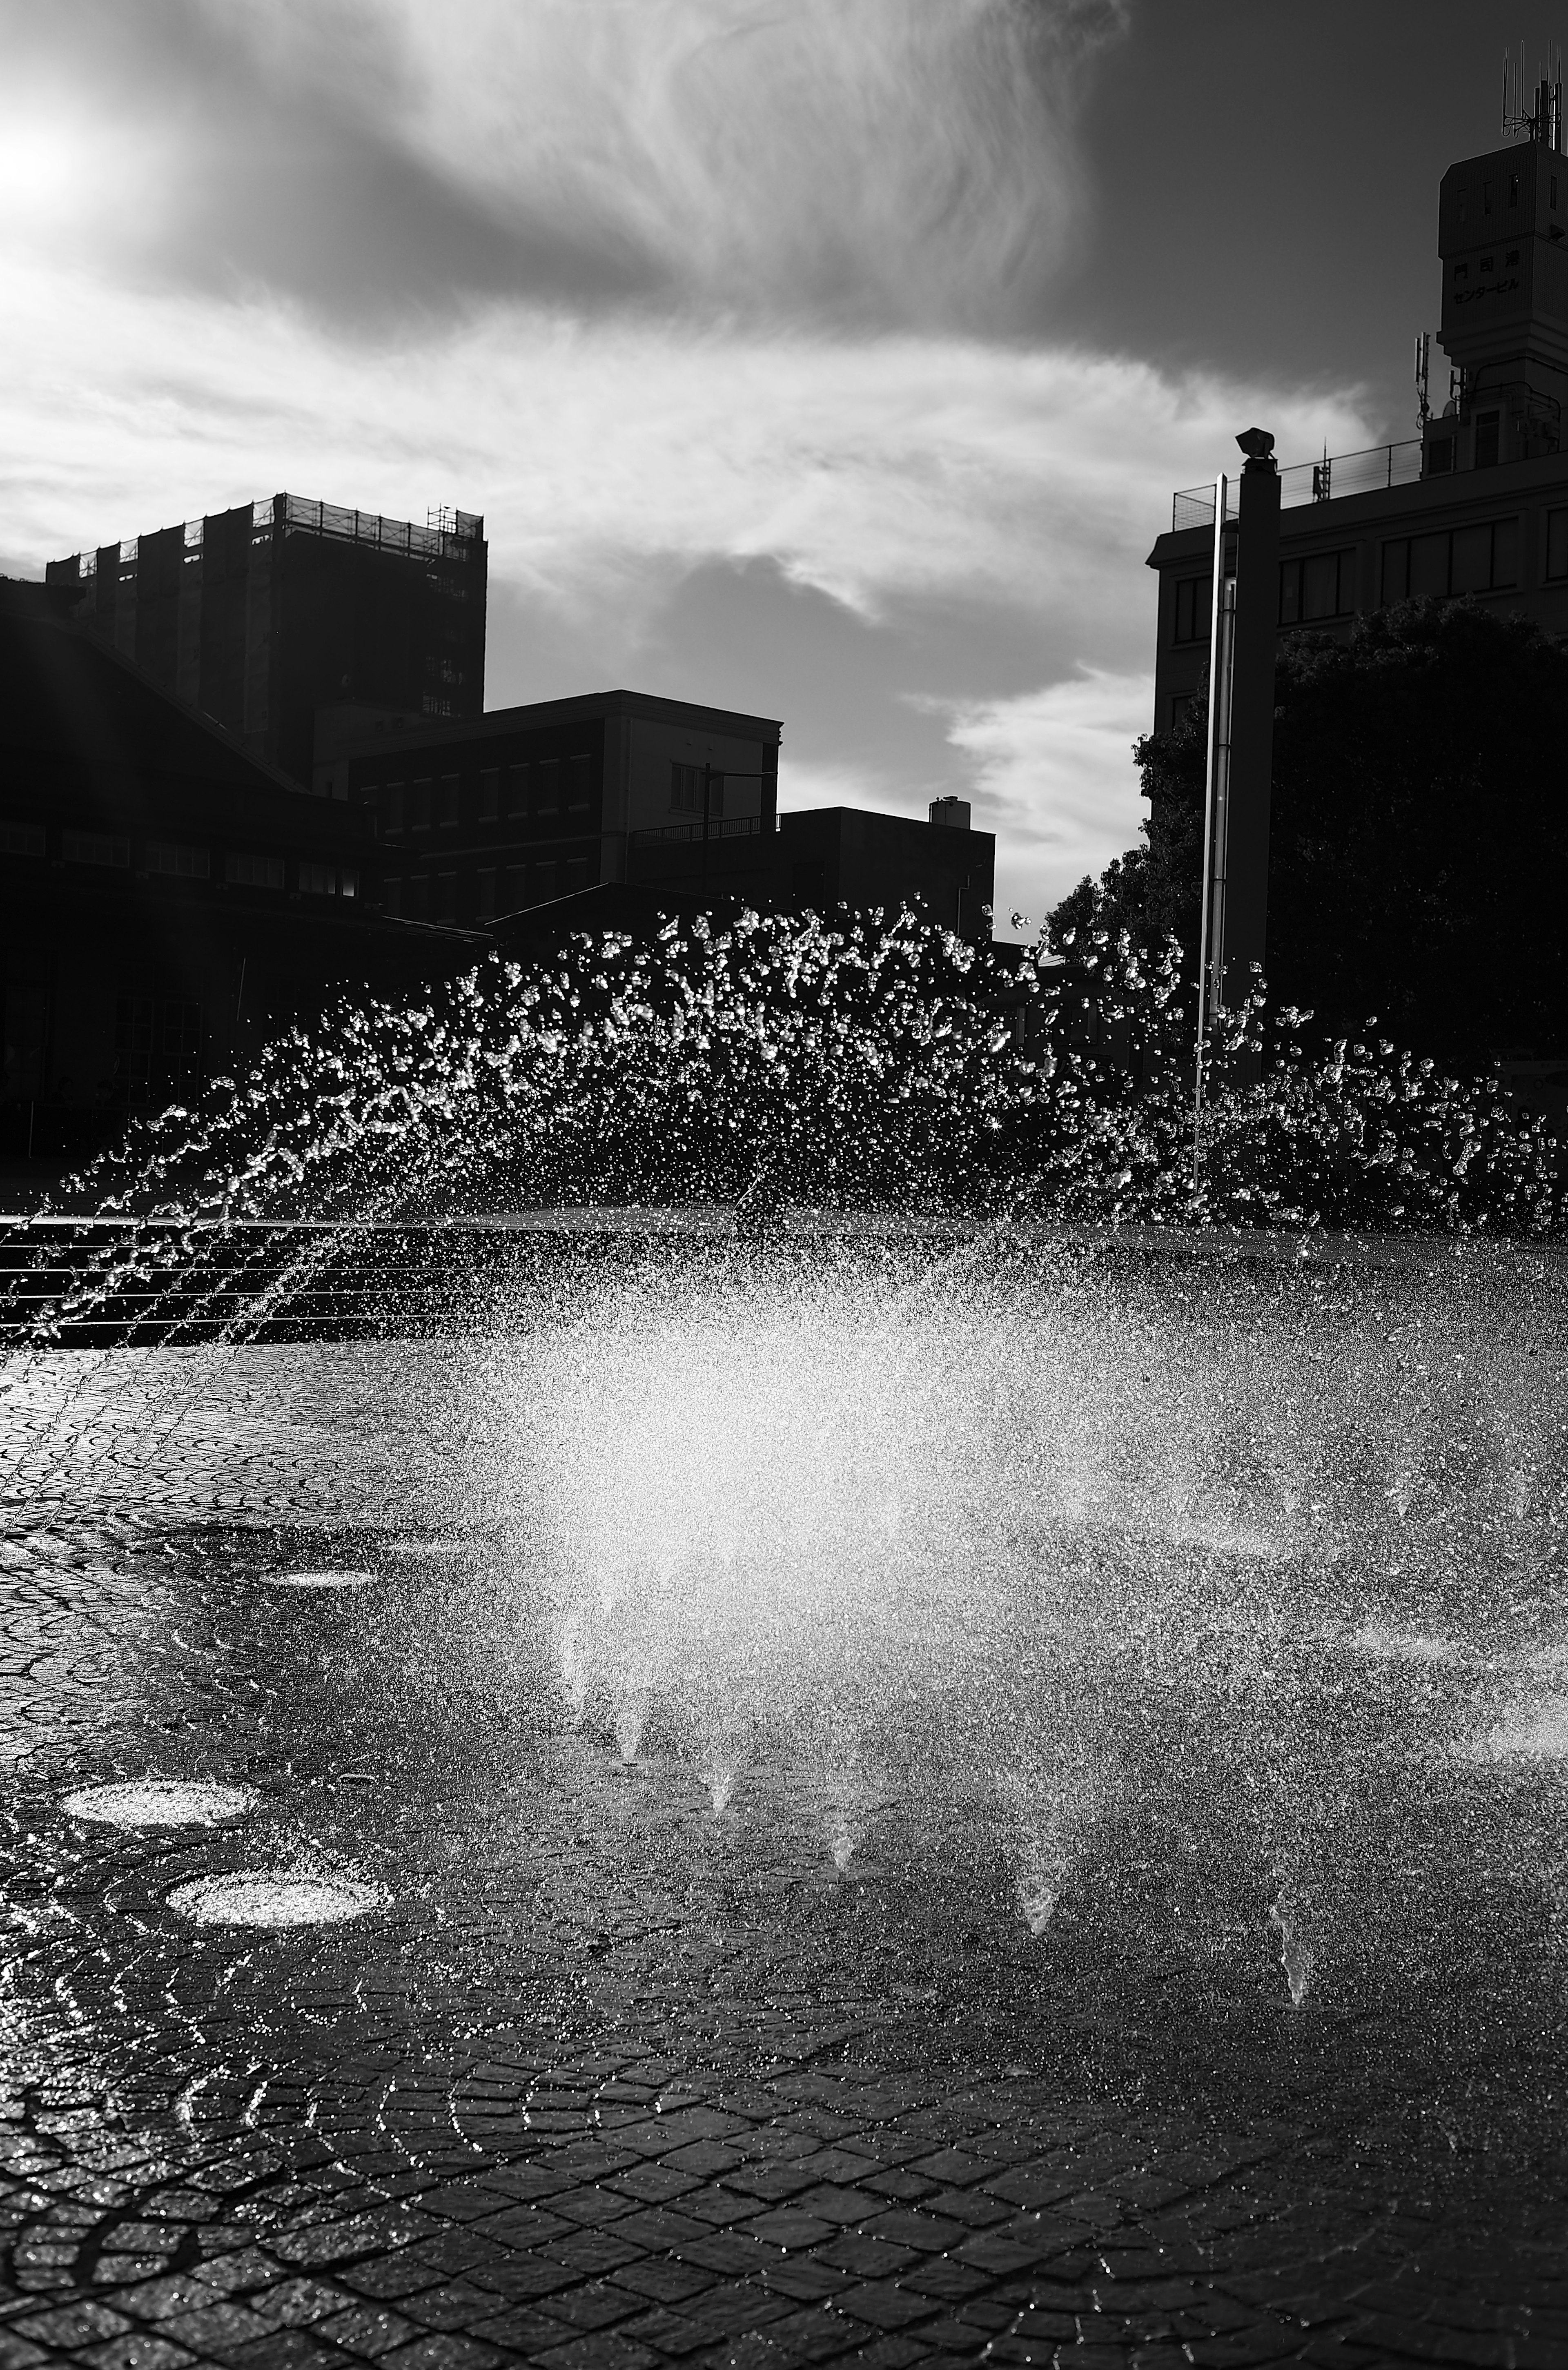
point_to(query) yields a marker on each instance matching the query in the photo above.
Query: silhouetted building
(527, 804)
(260, 616)
(166, 900)
(1478, 502)
(850, 855)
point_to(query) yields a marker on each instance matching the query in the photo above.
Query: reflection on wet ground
(896, 2046)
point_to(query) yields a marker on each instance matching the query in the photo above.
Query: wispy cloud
(665, 288)
(890, 159)
(1054, 776)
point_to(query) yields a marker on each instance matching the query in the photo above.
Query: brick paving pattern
(615, 2081)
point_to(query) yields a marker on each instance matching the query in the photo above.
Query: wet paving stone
(602, 2077)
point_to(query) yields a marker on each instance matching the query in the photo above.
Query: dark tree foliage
(1419, 833)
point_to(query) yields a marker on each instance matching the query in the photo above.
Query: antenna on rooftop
(1423, 376)
(1542, 120)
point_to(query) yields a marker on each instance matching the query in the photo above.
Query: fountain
(1005, 1587)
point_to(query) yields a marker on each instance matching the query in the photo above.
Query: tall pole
(1216, 784)
(1245, 939)
(1239, 772)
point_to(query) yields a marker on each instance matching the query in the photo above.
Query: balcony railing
(720, 826)
(1379, 466)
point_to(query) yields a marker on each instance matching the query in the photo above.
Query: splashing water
(970, 1506)
(1287, 1917)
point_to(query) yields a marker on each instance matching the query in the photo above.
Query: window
(544, 881)
(546, 786)
(579, 782)
(1440, 456)
(450, 795)
(1179, 706)
(1470, 562)
(96, 848)
(21, 839)
(517, 790)
(177, 860)
(1486, 429)
(686, 788)
(419, 804)
(318, 879)
(489, 794)
(445, 905)
(416, 897)
(392, 896)
(575, 875)
(392, 807)
(484, 893)
(1193, 607)
(1467, 560)
(516, 889)
(1557, 543)
(1322, 585)
(349, 881)
(157, 1044)
(253, 871)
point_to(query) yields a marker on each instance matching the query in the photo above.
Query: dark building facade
(527, 804)
(260, 616)
(847, 856)
(1478, 502)
(166, 901)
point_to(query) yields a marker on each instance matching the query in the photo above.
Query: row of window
(435, 801)
(179, 861)
(1456, 559)
(1487, 188)
(1449, 561)
(480, 892)
(1322, 585)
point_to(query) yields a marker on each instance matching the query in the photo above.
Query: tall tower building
(262, 614)
(1503, 237)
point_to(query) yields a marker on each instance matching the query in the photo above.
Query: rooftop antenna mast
(1543, 121)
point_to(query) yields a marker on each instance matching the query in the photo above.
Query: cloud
(875, 159)
(889, 162)
(608, 454)
(1053, 777)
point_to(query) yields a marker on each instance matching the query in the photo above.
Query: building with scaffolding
(1477, 502)
(262, 615)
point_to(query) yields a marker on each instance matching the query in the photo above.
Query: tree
(1419, 832)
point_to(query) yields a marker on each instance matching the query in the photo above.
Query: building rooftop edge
(577, 707)
(1476, 489)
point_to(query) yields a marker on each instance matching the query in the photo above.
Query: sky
(830, 360)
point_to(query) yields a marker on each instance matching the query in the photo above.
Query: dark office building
(166, 901)
(847, 856)
(262, 614)
(1478, 502)
(527, 804)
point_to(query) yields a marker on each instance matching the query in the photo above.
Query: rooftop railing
(1379, 466)
(451, 535)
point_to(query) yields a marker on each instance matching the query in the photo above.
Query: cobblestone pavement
(613, 2077)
